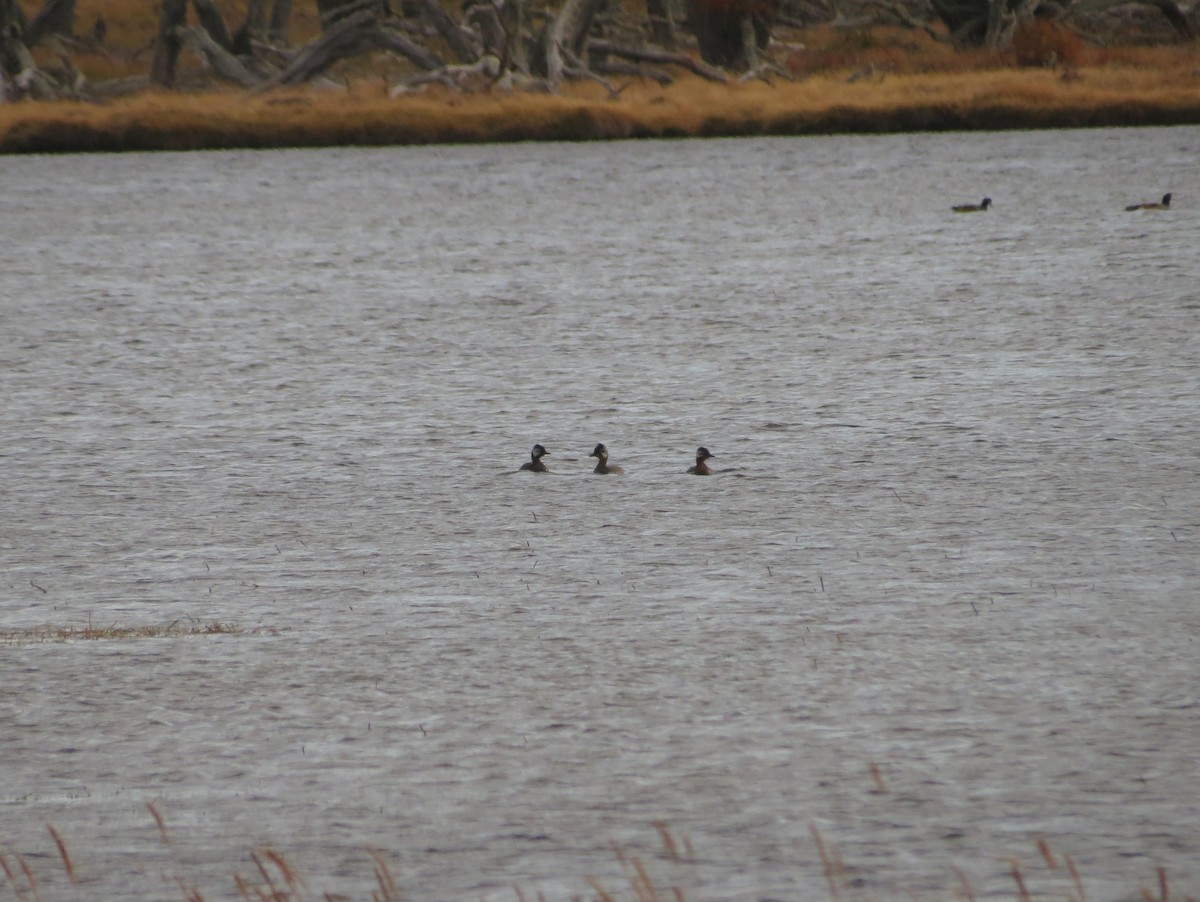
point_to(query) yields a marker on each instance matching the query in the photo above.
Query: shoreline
(363, 115)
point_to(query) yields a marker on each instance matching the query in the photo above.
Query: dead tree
(1169, 8)
(14, 55)
(660, 57)
(565, 36)
(731, 32)
(55, 17)
(219, 58)
(214, 23)
(356, 34)
(334, 11)
(990, 22)
(281, 13)
(662, 23)
(168, 43)
(456, 38)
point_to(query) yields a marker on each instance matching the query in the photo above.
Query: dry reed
(829, 862)
(279, 881)
(388, 891)
(68, 866)
(1019, 878)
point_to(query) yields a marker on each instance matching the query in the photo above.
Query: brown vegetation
(271, 875)
(818, 79)
(363, 114)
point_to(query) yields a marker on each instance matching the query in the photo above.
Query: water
(938, 603)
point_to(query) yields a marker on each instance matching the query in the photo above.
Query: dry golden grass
(848, 80)
(993, 98)
(39, 634)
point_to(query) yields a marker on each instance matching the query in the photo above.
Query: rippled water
(939, 601)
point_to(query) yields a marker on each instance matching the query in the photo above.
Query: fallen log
(224, 63)
(619, 67)
(348, 37)
(456, 39)
(660, 57)
(466, 79)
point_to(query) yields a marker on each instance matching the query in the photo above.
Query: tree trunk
(224, 63)
(256, 19)
(720, 27)
(355, 34)
(214, 23)
(1168, 8)
(486, 20)
(454, 37)
(514, 14)
(653, 55)
(55, 17)
(334, 11)
(567, 33)
(1175, 16)
(662, 25)
(168, 43)
(995, 23)
(281, 12)
(11, 23)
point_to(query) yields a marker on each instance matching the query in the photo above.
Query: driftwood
(352, 35)
(485, 18)
(567, 33)
(632, 70)
(213, 22)
(224, 63)
(56, 17)
(1170, 10)
(457, 78)
(281, 12)
(169, 43)
(660, 57)
(451, 32)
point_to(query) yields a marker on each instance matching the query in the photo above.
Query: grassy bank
(363, 114)
(851, 79)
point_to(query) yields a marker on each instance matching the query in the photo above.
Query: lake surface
(939, 602)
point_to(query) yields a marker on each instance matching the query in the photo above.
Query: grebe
(973, 208)
(701, 468)
(536, 464)
(1164, 204)
(602, 466)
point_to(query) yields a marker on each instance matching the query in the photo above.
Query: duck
(535, 464)
(973, 208)
(701, 468)
(1164, 204)
(602, 465)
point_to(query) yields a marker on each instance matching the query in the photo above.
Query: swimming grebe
(536, 464)
(973, 208)
(1164, 204)
(602, 466)
(701, 468)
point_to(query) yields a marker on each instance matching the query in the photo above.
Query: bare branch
(224, 63)
(661, 57)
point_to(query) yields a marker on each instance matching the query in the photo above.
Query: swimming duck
(701, 468)
(973, 208)
(602, 466)
(536, 464)
(1164, 204)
